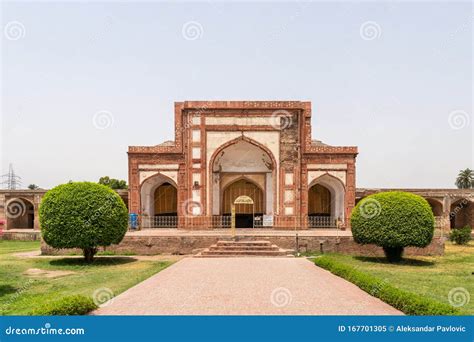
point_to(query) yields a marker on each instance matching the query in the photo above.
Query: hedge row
(407, 302)
(67, 306)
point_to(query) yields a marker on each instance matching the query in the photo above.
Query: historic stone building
(224, 149)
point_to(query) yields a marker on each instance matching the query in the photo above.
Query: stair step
(254, 248)
(244, 243)
(224, 248)
(244, 252)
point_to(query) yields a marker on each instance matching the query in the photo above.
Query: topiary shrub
(461, 236)
(82, 215)
(67, 306)
(393, 220)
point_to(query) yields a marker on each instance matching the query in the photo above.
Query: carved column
(3, 211)
(36, 202)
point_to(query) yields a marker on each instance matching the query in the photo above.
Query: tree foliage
(113, 183)
(465, 179)
(461, 236)
(393, 220)
(82, 215)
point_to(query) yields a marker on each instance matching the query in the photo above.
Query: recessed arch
(148, 191)
(224, 146)
(326, 198)
(461, 212)
(436, 206)
(246, 187)
(20, 213)
(248, 158)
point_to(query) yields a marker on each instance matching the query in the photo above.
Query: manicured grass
(21, 294)
(431, 277)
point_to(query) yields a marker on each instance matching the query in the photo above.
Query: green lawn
(432, 277)
(19, 293)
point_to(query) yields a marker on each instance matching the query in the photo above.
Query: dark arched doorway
(459, 215)
(244, 213)
(20, 214)
(166, 200)
(319, 206)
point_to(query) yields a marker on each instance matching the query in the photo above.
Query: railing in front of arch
(147, 222)
(218, 222)
(321, 222)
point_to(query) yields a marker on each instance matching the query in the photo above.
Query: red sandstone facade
(218, 143)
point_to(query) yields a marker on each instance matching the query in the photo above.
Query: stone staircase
(230, 248)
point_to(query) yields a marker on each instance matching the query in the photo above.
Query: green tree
(393, 220)
(33, 187)
(113, 183)
(465, 179)
(82, 215)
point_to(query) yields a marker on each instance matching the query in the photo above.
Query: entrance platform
(242, 232)
(192, 242)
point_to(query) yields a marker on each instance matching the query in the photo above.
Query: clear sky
(394, 78)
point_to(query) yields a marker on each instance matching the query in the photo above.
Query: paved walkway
(245, 286)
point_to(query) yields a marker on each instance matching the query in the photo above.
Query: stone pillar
(3, 211)
(269, 194)
(446, 213)
(134, 188)
(36, 204)
(350, 193)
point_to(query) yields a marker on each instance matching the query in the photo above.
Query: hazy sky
(393, 78)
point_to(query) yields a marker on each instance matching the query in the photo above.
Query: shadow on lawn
(404, 262)
(98, 261)
(6, 289)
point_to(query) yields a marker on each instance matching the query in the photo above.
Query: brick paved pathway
(245, 286)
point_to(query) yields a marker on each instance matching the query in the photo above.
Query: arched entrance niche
(20, 214)
(436, 206)
(460, 213)
(325, 201)
(244, 213)
(242, 164)
(159, 202)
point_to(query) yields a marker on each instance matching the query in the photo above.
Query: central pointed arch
(242, 157)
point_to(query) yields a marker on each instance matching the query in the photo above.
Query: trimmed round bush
(461, 236)
(82, 215)
(393, 220)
